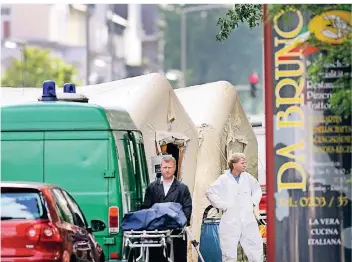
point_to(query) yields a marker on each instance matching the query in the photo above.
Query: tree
(207, 61)
(253, 16)
(37, 66)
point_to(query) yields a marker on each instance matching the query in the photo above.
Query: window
(6, 29)
(62, 206)
(127, 172)
(129, 177)
(144, 169)
(5, 11)
(21, 204)
(78, 215)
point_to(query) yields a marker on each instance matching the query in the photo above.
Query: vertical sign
(309, 162)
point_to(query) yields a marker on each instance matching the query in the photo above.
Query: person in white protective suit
(238, 193)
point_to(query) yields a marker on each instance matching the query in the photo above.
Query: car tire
(102, 258)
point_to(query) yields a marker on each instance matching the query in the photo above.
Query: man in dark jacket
(169, 190)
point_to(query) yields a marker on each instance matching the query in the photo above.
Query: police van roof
(47, 116)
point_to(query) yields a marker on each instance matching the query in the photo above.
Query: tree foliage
(207, 60)
(249, 13)
(36, 66)
(253, 16)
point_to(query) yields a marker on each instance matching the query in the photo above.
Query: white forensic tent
(18, 95)
(157, 112)
(223, 129)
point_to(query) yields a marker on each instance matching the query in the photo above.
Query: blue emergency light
(69, 88)
(49, 92)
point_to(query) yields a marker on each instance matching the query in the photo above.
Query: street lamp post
(22, 46)
(183, 34)
(111, 32)
(89, 11)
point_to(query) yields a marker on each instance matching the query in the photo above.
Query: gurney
(143, 240)
(155, 227)
(139, 242)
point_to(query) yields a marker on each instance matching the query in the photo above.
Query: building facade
(122, 39)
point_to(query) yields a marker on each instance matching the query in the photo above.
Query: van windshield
(21, 204)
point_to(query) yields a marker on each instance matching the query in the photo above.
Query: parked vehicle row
(94, 153)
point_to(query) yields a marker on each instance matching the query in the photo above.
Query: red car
(42, 222)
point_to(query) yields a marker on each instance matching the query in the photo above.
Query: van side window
(145, 173)
(62, 206)
(142, 177)
(78, 215)
(128, 174)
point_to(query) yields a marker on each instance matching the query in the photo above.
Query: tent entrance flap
(172, 144)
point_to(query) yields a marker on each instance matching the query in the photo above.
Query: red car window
(79, 217)
(62, 206)
(21, 203)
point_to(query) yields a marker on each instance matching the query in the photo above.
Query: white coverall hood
(238, 223)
